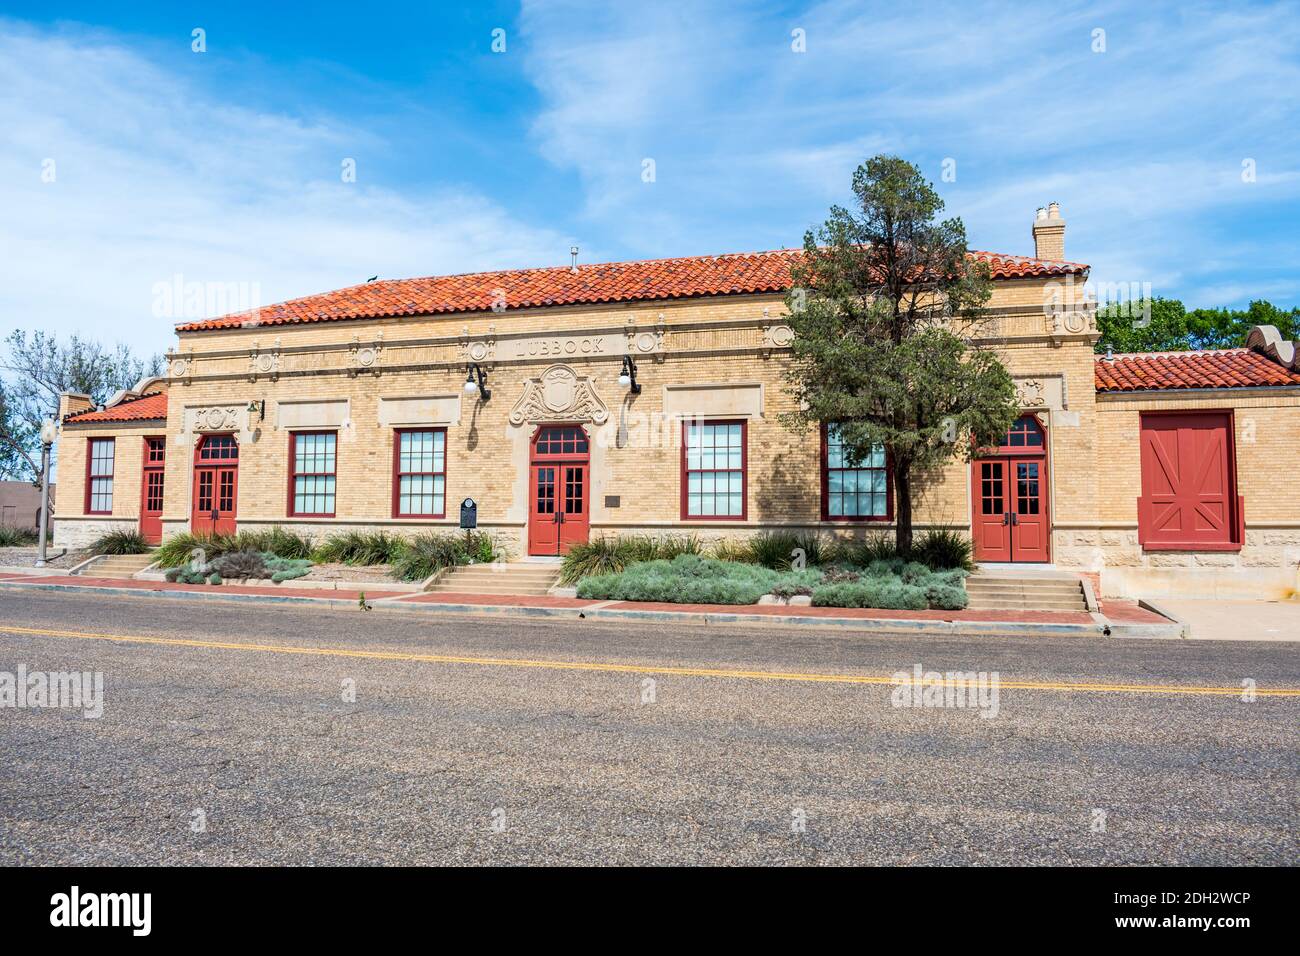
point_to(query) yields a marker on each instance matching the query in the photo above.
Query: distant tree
(1169, 327)
(883, 307)
(35, 368)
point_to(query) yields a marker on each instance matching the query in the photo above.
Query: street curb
(1184, 627)
(885, 625)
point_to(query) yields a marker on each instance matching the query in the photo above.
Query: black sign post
(468, 518)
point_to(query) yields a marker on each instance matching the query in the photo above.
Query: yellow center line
(611, 668)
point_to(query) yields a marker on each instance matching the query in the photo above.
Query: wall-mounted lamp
(627, 377)
(476, 382)
(260, 408)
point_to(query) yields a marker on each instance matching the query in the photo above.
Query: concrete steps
(118, 566)
(1004, 591)
(518, 579)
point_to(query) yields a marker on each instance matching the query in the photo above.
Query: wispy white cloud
(1142, 142)
(155, 177)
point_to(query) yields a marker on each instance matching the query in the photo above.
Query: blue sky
(224, 167)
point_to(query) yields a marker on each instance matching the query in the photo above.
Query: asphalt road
(489, 762)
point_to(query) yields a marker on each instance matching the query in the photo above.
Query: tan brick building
(644, 397)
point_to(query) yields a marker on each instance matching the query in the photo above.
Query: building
(644, 397)
(20, 504)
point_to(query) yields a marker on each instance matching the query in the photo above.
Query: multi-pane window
(566, 440)
(421, 473)
(1024, 433)
(313, 473)
(714, 470)
(855, 488)
(99, 477)
(992, 494)
(219, 448)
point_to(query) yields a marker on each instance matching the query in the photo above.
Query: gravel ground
(575, 768)
(26, 557)
(365, 574)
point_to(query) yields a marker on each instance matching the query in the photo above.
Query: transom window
(157, 451)
(562, 440)
(99, 476)
(853, 488)
(219, 448)
(313, 481)
(1024, 432)
(421, 473)
(713, 456)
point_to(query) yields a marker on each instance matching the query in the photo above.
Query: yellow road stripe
(640, 668)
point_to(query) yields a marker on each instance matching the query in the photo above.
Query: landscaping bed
(774, 568)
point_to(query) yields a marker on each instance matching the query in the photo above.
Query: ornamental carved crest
(559, 393)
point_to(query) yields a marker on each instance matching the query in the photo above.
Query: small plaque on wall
(612, 501)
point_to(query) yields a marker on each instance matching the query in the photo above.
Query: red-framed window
(155, 457)
(560, 440)
(420, 473)
(713, 470)
(99, 475)
(218, 448)
(312, 480)
(854, 490)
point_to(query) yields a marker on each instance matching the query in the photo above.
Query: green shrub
(686, 579)
(914, 572)
(877, 546)
(428, 552)
(275, 540)
(596, 557)
(943, 549)
(241, 564)
(286, 569)
(11, 537)
(181, 548)
(774, 549)
(120, 541)
(731, 549)
(360, 548)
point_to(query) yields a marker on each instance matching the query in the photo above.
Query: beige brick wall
(73, 528)
(1266, 424)
(715, 340)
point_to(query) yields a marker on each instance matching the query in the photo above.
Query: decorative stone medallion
(557, 394)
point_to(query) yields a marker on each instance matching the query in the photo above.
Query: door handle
(1015, 519)
(1006, 517)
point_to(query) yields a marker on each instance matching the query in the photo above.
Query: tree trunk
(903, 507)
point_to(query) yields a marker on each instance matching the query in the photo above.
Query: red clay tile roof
(1228, 368)
(647, 280)
(145, 408)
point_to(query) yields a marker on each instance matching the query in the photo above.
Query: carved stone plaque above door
(559, 394)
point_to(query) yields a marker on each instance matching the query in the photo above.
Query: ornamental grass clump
(360, 548)
(11, 537)
(120, 541)
(423, 554)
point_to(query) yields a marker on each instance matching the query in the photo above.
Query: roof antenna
(573, 251)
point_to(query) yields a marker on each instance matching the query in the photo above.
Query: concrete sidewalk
(1235, 620)
(1120, 619)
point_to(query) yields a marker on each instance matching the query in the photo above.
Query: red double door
(1010, 511)
(216, 485)
(559, 484)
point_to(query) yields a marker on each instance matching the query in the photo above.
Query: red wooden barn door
(1188, 500)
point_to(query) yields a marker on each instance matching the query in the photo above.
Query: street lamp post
(48, 433)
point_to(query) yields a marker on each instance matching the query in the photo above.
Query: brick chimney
(1049, 233)
(72, 402)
